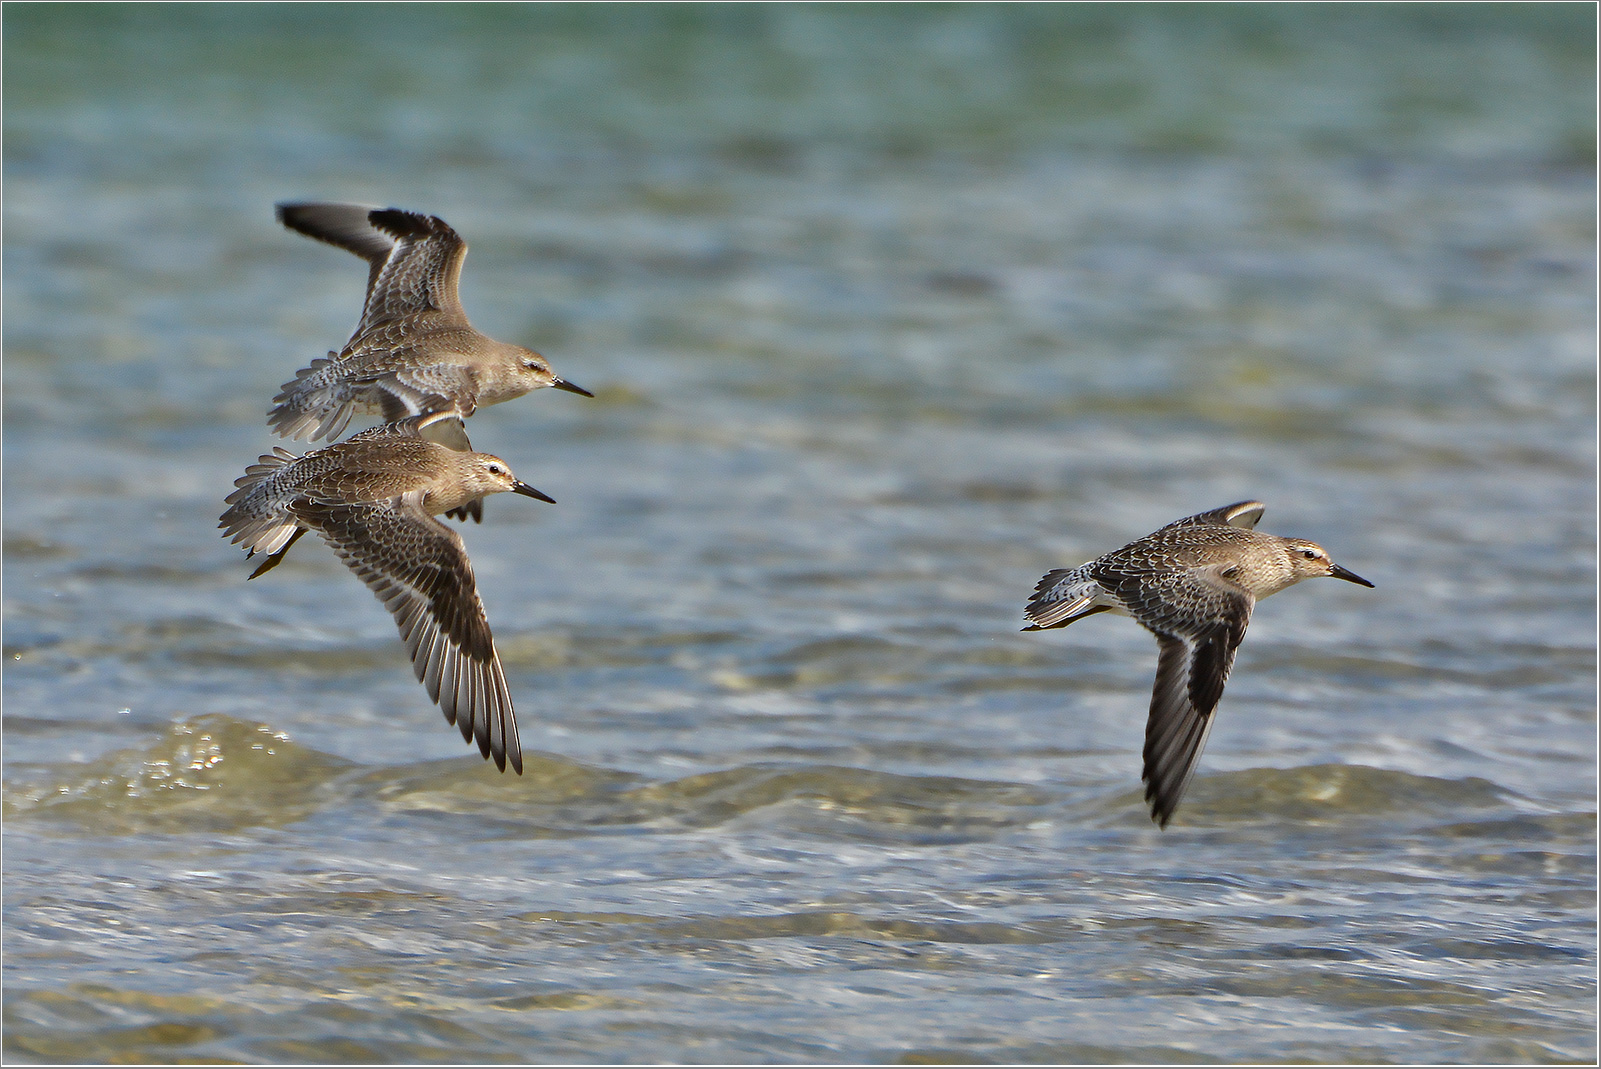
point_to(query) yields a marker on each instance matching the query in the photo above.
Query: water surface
(887, 313)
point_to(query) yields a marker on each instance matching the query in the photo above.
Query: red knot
(373, 498)
(413, 352)
(1192, 584)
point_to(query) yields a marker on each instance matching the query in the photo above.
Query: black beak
(1350, 577)
(563, 384)
(520, 487)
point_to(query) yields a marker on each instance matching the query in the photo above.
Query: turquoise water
(887, 313)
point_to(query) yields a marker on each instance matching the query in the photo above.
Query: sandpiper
(1192, 584)
(373, 498)
(413, 351)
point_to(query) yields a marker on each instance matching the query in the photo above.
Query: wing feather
(1244, 514)
(1062, 596)
(420, 274)
(414, 259)
(1199, 622)
(419, 569)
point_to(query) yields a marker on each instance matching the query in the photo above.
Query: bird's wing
(420, 274)
(344, 225)
(1245, 514)
(254, 516)
(419, 569)
(426, 390)
(1199, 620)
(414, 260)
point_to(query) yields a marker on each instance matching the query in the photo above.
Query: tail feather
(251, 518)
(334, 422)
(308, 405)
(259, 472)
(1062, 596)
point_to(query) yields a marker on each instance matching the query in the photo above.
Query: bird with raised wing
(373, 499)
(1193, 585)
(413, 351)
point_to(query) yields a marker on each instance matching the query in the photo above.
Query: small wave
(560, 798)
(211, 772)
(1333, 792)
(219, 773)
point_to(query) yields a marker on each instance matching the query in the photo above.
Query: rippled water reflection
(887, 314)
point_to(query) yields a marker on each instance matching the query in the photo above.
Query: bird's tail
(310, 405)
(1062, 596)
(255, 517)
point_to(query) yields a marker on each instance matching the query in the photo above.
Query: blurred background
(888, 311)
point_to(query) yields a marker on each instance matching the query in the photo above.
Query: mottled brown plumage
(373, 499)
(413, 351)
(1193, 584)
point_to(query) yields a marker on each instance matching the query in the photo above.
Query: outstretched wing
(320, 400)
(414, 260)
(419, 569)
(1199, 620)
(420, 274)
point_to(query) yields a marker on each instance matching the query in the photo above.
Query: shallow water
(887, 315)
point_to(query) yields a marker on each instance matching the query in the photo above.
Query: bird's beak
(520, 487)
(563, 384)
(1349, 576)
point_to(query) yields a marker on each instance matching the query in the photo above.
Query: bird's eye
(496, 469)
(1309, 554)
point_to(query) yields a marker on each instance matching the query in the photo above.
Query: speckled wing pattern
(406, 388)
(1199, 618)
(415, 265)
(1062, 596)
(320, 400)
(421, 272)
(415, 260)
(419, 569)
(1068, 594)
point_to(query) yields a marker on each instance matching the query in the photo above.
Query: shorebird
(373, 498)
(1192, 584)
(413, 351)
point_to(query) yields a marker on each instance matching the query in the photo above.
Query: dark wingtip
(401, 223)
(1160, 813)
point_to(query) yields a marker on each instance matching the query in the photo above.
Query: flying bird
(373, 499)
(1193, 585)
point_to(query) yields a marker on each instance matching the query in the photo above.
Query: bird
(373, 498)
(1193, 585)
(413, 352)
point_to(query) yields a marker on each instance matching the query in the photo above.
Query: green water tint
(887, 311)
